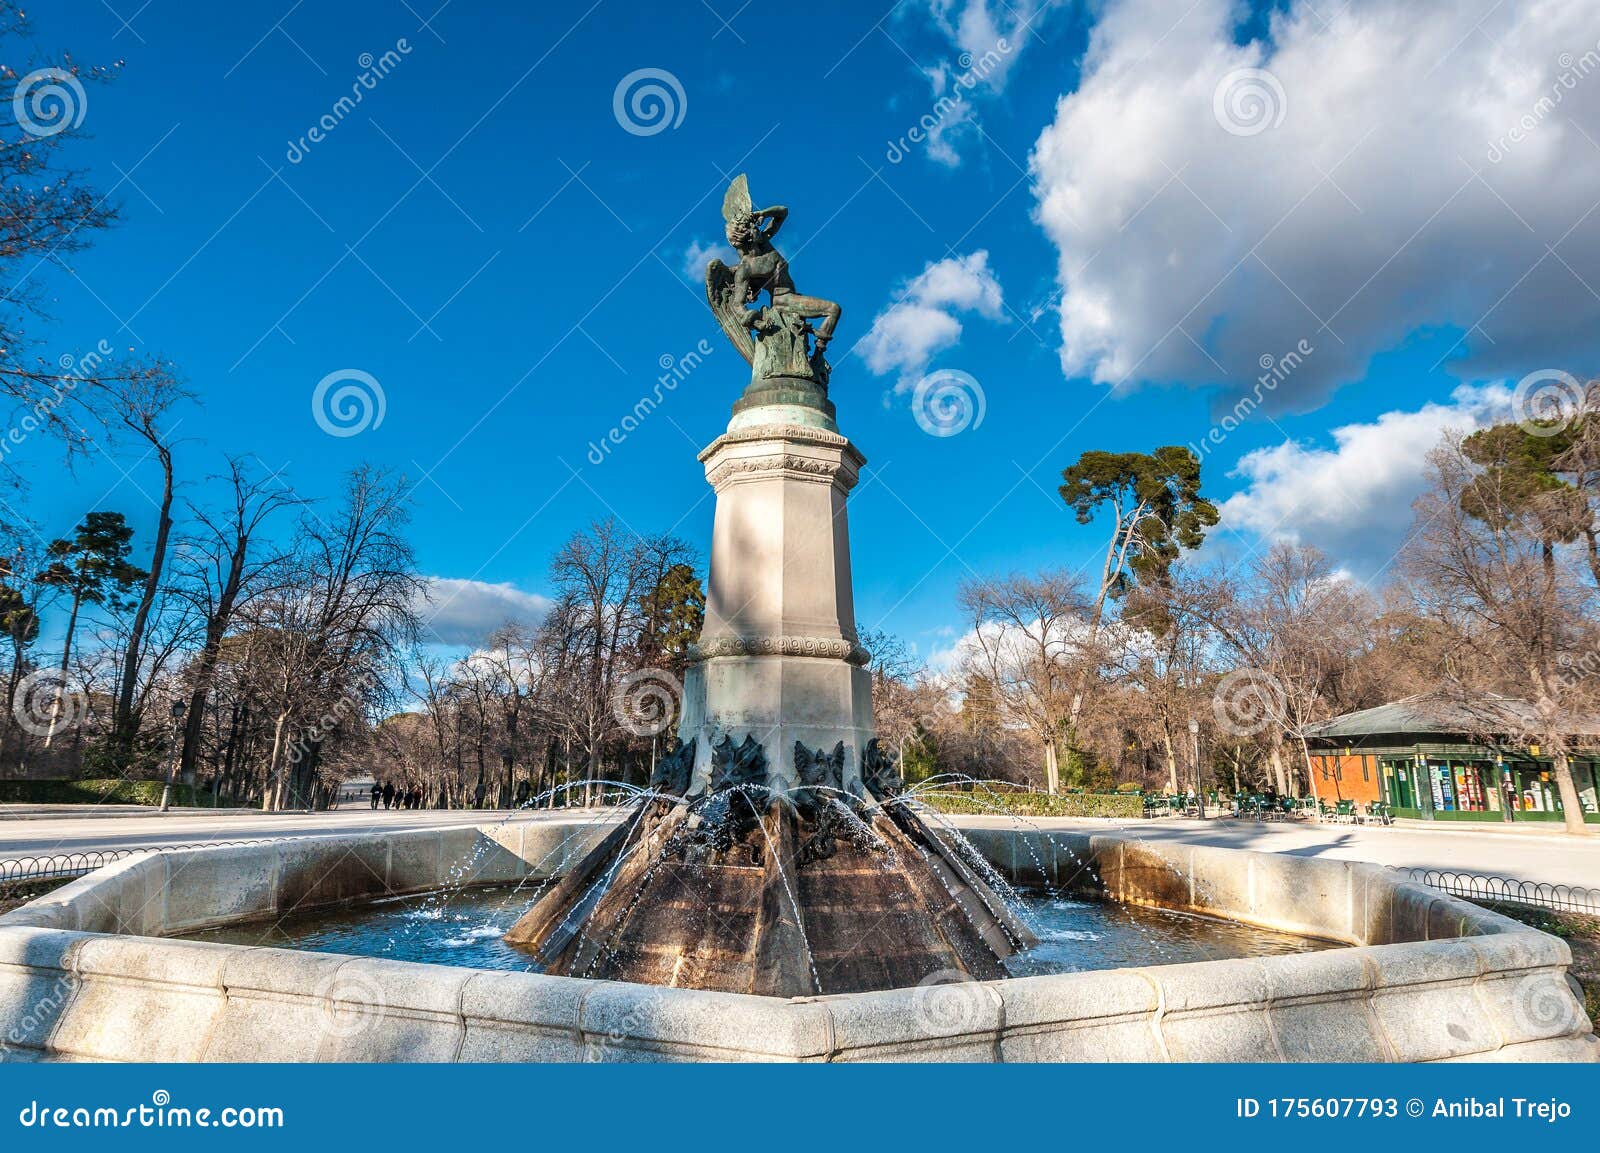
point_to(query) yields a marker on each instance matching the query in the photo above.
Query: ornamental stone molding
(781, 448)
(792, 433)
(836, 648)
(787, 463)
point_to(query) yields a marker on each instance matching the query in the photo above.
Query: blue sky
(484, 237)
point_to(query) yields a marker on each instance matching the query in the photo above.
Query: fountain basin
(91, 972)
(467, 928)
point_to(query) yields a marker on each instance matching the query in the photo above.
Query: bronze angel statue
(781, 326)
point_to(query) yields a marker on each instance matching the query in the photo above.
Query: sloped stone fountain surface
(92, 971)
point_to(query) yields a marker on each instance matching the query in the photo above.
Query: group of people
(393, 798)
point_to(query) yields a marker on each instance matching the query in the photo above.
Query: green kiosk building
(1451, 757)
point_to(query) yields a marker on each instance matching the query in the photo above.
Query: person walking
(388, 794)
(377, 794)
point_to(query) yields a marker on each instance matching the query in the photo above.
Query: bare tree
(1026, 643)
(224, 563)
(1296, 630)
(1163, 649)
(1483, 566)
(344, 613)
(601, 577)
(141, 406)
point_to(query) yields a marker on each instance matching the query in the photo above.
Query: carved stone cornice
(789, 449)
(785, 433)
(836, 648)
(789, 463)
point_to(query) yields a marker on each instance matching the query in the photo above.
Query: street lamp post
(1199, 782)
(178, 709)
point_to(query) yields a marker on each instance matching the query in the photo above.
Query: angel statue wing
(736, 201)
(730, 313)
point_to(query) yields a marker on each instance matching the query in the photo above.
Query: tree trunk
(1052, 769)
(272, 799)
(1311, 776)
(206, 665)
(1172, 759)
(18, 660)
(122, 726)
(1279, 776)
(1571, 806)
(66, 658)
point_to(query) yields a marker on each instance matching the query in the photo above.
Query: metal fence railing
(1480, 887)
(68, 865)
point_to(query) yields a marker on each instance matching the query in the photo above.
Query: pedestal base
(781, 701)
(778, 660)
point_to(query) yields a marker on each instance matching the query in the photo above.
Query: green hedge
(100, 792)
(1022, 803)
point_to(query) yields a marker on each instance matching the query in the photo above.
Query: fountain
(771, 856)
(775, 893)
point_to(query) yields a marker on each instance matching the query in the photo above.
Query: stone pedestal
(776, 813)
(778, 659)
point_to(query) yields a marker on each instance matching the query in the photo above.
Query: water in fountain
(750, 885)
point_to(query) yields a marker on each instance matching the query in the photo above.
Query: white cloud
(465, 612)
(993, 32)
(697, 255)
(988, 37)
(953, 114)
(1188, 251)
(1353, 500)
(922, 321)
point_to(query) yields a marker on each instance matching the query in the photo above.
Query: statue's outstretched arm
(775, 215)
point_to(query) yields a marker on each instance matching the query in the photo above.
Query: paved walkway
(43, 834)
(1528, 857)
